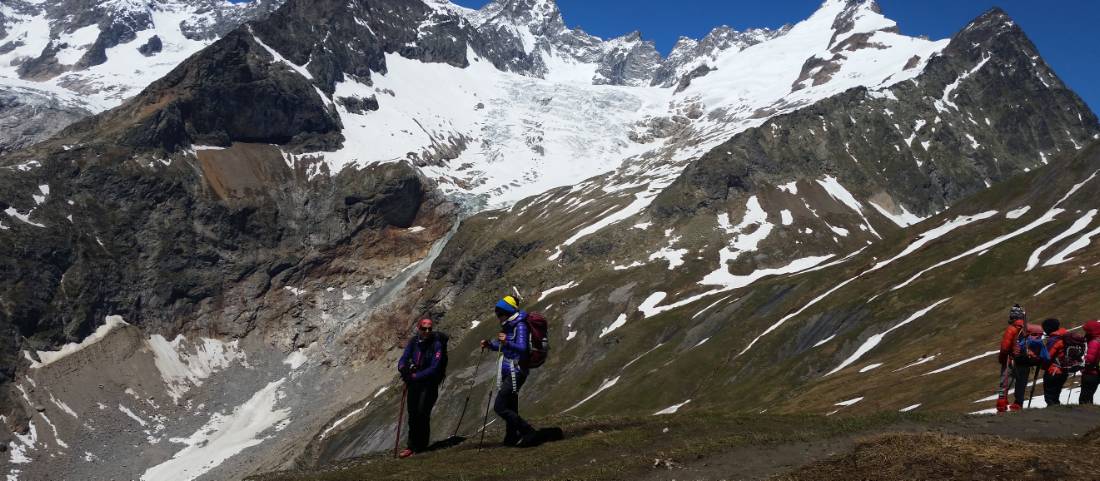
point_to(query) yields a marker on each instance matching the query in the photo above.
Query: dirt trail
(761, 462)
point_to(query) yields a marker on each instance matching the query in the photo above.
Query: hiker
(1090, 375)
(512, 342)
(1010, 349)
(421, 368)
(1031, 354)
(1055, 375)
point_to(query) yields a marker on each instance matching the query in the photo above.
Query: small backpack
(1072, 357)
(539, 333)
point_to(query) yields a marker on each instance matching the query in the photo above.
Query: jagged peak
(527, 12)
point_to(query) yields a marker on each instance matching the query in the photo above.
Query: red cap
(425, 323)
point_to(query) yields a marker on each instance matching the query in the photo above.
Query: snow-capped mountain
(227, 260)
(85, 57)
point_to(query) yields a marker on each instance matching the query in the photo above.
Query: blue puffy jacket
(516, 347)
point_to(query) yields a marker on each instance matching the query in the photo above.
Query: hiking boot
(528, 440)
(1015, 407)
(510, 440)
(406, 453)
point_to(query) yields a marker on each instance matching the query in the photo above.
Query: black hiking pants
(1052, 388)
(507, 407)
(422, 397)
(1088, 387)
(1025, 368)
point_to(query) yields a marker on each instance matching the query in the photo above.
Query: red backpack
(539, 337)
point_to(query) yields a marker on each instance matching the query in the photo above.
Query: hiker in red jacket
(1090, 375)
(1010, 350)
(1054, 378)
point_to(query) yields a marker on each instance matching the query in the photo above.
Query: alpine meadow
(411, 240)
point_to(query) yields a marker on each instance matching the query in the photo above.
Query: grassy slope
(718, 445)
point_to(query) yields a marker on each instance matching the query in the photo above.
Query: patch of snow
(715, 303)
(607, 383)
(1081, 243)
(632, 361)
(909, 408)
(700, 343)
(131, 414)
(26, 218)
(415, 229)
(916, 363)
(849, 402)
(619, 322)
(344, 419)
(1075, 188)
(64, 407)
(674, 257)
(838, 192)
(823, 341)
(222, 437)
(874, 340)
(1017, 213)
(570, 335)
(1047, 217)
(181, 370)
(642, 225)
(786, 217)
(1077, 226)
(671, 409)
(548, 292)
(904, 219)
(296, 359)
(790, 187)
(870, 367)
(49, 357)
(960, 363)
(1044, 289)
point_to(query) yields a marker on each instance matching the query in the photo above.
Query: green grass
(606, 448)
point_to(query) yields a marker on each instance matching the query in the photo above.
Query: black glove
(404, 372)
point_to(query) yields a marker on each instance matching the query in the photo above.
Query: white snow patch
(674, 257)
(296, 359)
(786, 217)
(181, 370)
(632, 361)
(548, 292)
(1017, 213)
(26, 218)
(671, 409)
(700, 343)
(131, 414)
(344, 419)
(570, 335)
(49, 357)
(790, 187)
(1075, 246)
(1044, 289)
(917, 362)
(1075, 188)
(222, 437)
(619, 322)
(849, 402)
(607, 383)
(960, 363)
(64, 407)
(823, 341)
(874, 340)
(1077, 226)
(838, 192)
(904, 219)
(1047, 217)
(909, 408)
(871, 367)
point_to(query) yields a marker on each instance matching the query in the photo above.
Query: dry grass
(928, 456)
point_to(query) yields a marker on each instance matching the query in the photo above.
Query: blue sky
(1067, 32)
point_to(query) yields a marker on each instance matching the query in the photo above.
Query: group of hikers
(521, 345)
(1051, 349)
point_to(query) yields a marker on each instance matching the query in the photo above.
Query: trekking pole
(485, 419)
(469, 391)
(400, 419)
(1034, 381)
